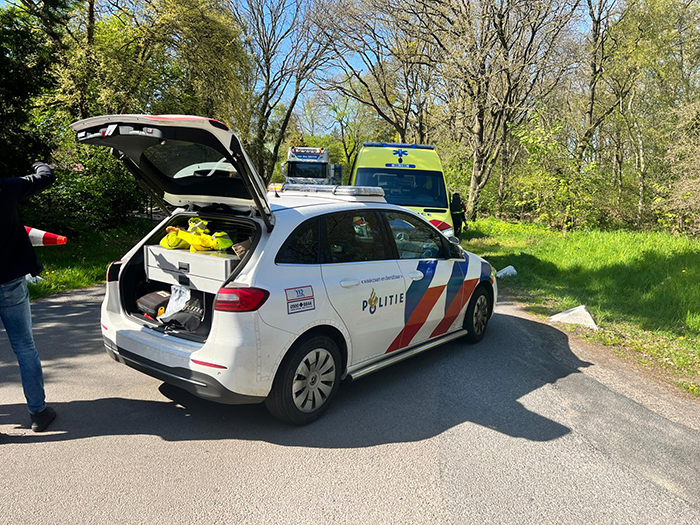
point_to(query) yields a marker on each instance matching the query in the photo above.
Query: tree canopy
(574, 113)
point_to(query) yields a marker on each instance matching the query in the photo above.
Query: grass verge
(83, 261)
(642, 288)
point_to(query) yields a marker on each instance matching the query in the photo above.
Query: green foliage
(457, 163)
(550, 187)
(83, 261)
(92, 192)
(25, 58)
(650, 278)
(682, 211)
(636, 165)
(642, 288)
(164, 56)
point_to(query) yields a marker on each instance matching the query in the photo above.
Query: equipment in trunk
(179, 272)
(203, 271)
(190, 317)
(153, 304)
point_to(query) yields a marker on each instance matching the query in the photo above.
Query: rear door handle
(348, 283)
(416, 276)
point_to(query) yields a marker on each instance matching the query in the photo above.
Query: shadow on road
(411, 401)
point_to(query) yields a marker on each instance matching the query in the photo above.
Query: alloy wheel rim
(481, 312)
(313, 380)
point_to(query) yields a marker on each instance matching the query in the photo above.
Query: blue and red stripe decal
(454, 307)
(417, 289)
(454, 285)
(421, 299)
(417, 319)
(486, 272)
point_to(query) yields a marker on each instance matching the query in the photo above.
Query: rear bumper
(199, 384)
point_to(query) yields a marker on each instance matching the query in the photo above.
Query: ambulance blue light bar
(396, 145)
(364, 191)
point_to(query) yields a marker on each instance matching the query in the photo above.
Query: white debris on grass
(578, 315)
(34, 280)
(508, 271)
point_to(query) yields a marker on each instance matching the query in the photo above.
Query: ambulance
(411, 176)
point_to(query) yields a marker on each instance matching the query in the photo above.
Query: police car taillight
(440, 225)
(240, 299)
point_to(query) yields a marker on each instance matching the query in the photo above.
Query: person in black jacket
(17, 260)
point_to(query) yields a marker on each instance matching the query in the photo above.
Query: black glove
(42, 168)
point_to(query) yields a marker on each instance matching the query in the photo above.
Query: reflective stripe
(455, 307)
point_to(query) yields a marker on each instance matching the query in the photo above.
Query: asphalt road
(525, 427)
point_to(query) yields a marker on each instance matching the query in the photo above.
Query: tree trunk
(401, 132)
(504, 169)
(260, 149)
(260, 135)
(352, 165)
(593, 71)
(478, 167)
(619, 159)
(280, 134)
(91, 23)
(83, 106)
(474, 192)
(641, 173)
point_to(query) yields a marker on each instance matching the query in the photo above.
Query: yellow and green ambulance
(411, 176)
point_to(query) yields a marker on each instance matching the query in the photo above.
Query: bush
(93, 191)
(25, 60)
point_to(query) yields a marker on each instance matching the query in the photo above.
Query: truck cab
(306, 165)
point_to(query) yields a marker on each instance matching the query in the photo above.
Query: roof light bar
(366, 191)
(396, 145)
(307, 149)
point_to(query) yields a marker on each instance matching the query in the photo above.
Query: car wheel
(477, 317)
(306, 382)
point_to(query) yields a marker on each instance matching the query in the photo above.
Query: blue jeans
(16, 315)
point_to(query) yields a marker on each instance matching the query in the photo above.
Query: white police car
(325, 282)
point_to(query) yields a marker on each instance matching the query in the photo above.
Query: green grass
(642, 288)
(83, 261)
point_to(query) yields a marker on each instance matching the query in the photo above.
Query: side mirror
(456, 204)
(456, 251)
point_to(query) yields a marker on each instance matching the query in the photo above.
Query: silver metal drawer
(205, 271)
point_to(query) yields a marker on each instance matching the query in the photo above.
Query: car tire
(476, 319)
(306, 382)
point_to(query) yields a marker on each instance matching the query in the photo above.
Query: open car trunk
(182, 160)
(156, 269)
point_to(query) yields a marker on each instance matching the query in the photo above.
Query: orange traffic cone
(42, 238)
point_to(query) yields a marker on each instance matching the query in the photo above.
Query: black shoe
(42, 420)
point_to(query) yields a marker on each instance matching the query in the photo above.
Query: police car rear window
(178, 159)
(302, 245)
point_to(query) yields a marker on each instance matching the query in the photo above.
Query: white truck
(306, 165)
